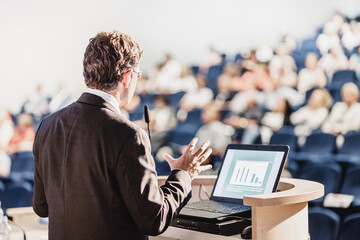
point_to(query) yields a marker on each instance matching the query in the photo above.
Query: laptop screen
(249, 170)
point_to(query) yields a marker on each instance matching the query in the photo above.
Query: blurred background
(231, 71)
(44, 41)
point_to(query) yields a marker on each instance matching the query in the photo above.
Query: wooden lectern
(279, 215)
(284, 214)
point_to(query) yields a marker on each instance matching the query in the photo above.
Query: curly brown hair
(107, 58)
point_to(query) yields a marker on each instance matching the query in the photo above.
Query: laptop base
(226, 227)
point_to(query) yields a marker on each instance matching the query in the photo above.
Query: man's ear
(126, 79)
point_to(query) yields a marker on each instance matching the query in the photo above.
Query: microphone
(147, 119)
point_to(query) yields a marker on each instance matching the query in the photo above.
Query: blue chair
(285, 138)
(175, 98)
(324, 224)
(309, 45)
(299, 57)
(22, 165)
(350, 227)
(319, 147)
(341, 77)
(290, 139)
(162, 168)
(212, 77)
(329, 174)
(17, 194)
(351, 184)
(2, 189)
(349, 153)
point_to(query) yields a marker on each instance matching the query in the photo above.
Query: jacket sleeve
(152, 207)
(39, 199)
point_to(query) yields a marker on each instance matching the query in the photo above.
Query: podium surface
(279, 215)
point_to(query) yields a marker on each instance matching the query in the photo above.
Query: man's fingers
(167, 157)
(205, 167)
(205, 156)
(202, 148)
(192, 145)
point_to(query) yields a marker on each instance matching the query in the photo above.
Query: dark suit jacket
(95, 177)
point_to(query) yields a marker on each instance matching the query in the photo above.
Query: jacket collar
(92, 99)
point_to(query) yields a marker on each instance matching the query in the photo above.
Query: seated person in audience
(334, 61)
(6, 132)
(169, 71)
(197, 97)
(37, 103)
(186, 81)
(239, 102)
(210, 59)
(349, 39)
(214, 129)
(247, 123)
(312, 115)
(250, 60)
(355, 62)
(282, 67)
(24, 135)
(273, 120)
(344, 116)
(226, 81)
(312, 75)
(329, 38)
(259, 78)
(162, 118)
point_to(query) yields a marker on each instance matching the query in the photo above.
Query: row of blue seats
(15, 193)
(335, 178)
(320, 147)
(326, 224)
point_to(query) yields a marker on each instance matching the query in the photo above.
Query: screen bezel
(251, 147)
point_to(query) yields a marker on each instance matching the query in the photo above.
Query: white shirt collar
(106, 96)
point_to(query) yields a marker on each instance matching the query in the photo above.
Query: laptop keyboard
(216, 207)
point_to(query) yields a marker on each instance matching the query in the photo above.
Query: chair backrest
(22, 162)
(350, 227)
(285, 138)
(351, 144)
(2, 189)
(328, 174)
(323, 224)
(212, 77)
(344, 76)
(320, 143)
(17, 194)
(181, 138)
(175, 98)
(351, 184)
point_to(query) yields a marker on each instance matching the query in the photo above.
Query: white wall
(43, 41)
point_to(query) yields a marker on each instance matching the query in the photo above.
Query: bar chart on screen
(249, 173)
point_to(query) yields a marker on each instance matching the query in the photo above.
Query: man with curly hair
(95, 177)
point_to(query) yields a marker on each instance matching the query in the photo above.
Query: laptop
(246, 170)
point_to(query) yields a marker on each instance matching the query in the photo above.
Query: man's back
(83, 158)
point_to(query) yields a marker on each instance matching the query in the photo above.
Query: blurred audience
(24, 135)
(312, 75)
(6, 133)
(344, 116)
(247, 122)
(272, 121)
(197, 97)
(214, 129)
(334, 61)
(313, 114)
(252, 98)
